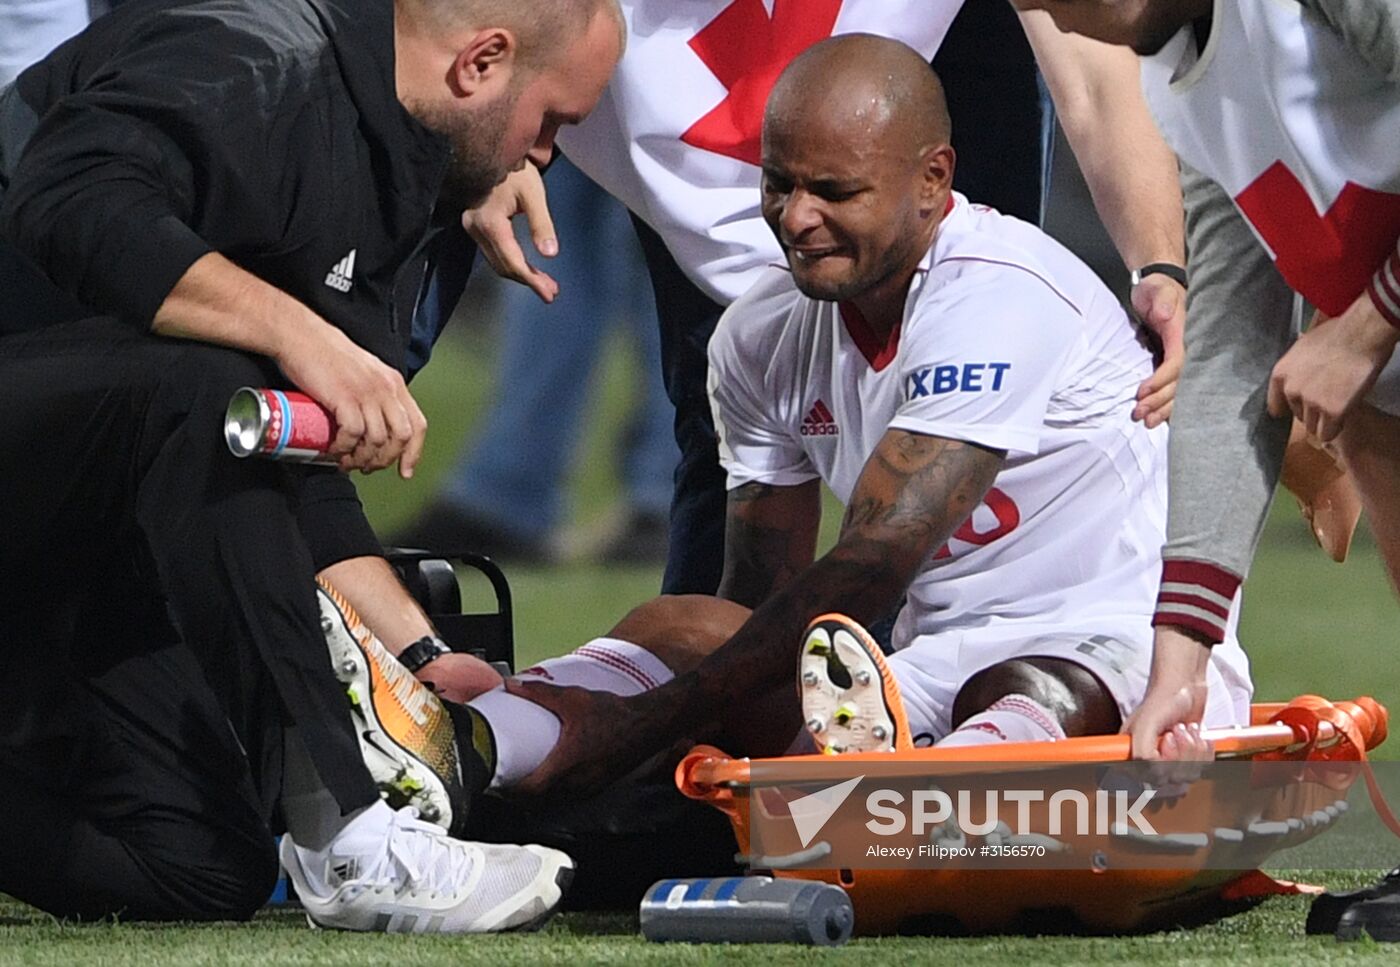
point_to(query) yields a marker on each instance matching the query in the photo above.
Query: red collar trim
(878, 354)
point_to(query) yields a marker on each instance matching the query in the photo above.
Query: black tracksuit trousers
(160, 631)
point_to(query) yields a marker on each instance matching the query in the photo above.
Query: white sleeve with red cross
(1302, 133)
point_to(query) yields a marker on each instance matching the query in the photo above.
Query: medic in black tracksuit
(154, 588)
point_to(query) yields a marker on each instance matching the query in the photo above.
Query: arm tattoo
(914, 485)
(914, 492)
(770, 536)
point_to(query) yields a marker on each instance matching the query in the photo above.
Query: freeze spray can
(747, 909)
(279, 424)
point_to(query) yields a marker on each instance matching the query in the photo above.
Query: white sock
(604, 665)
(525, 733)
(1011, 718)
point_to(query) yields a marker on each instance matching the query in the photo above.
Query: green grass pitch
(1309, 626)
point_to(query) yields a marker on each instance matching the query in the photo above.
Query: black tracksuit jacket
(266, 130)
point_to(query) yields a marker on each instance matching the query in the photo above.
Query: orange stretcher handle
(1363, 723)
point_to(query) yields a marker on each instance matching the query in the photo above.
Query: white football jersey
(1010, 342)
(1298, 130)
(675, 136)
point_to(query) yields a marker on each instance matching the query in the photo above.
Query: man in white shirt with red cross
(1285, 113)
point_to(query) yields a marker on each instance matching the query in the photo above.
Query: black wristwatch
(421, 652)
(1175, 272)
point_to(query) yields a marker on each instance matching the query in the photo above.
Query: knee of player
(1072, 694)
(1014, 677)
(681, 629)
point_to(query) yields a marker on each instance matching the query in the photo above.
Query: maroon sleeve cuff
(1196, 595)
(1385, 289)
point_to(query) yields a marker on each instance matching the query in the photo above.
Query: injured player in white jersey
(965, 386)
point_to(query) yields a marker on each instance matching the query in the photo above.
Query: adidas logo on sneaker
(819, 422)
(342, 275)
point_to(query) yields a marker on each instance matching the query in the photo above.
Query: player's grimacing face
(844, 209)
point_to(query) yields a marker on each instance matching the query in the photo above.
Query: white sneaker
(414, 878)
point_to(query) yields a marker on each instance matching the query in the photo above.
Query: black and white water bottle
(747, 909)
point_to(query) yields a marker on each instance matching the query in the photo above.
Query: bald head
(857, 168)
(872, 87)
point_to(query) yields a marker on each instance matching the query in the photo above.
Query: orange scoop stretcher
(1326, 743)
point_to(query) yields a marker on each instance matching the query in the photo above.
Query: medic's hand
(1331, 367)
(459, 677)
(1160, 303)
(602, 738)
(379, 422)
(522, 193)
(1167, 723)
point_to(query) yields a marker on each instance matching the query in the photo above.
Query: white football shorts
(933, 668)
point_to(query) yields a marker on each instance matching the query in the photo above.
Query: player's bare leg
(1370, 444)
(656, 641)
(681, 629)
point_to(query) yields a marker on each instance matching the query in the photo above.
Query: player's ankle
(476, 747)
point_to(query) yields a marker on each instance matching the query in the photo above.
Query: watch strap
(1174, 272)
(421, 652)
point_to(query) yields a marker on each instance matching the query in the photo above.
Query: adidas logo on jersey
(342, 275)
(819, 421)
